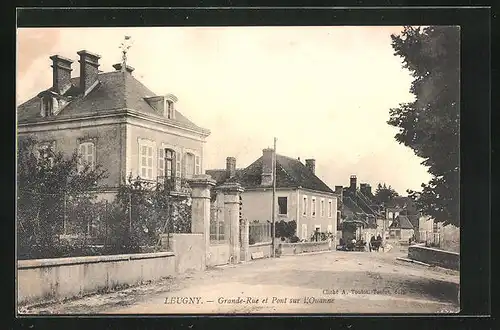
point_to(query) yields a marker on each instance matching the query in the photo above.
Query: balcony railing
(174, 185)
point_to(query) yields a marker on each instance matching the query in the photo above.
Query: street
(329, 282)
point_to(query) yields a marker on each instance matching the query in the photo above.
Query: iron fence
(217, 225)
(259, 232)
(90, 223)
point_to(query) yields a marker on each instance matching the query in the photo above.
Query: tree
(384, 194)
(430, 124)
(46, 182)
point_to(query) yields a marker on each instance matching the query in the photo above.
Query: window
(304, 231)
(390, 215)
(283, 205)
(304, 206)
(146, 160)
(189, 165)
(166, 163)
(322, 208)
(46, 108)
(86, 151)
(330, 208)
(313, 207)
(170, 110)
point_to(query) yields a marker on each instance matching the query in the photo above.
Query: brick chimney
(353, 183)
(89, 69)
(311, 164)
(267, 167)
(365, 189)
(231, 166)
(339, 190)
(61, 73)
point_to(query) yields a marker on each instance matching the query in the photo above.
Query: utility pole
(64, 213)
(274, 199)
(130, 214)
(384, 222)
(105, 224)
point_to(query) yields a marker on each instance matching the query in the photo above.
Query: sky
(323, 92)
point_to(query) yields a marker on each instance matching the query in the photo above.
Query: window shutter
(198, 165)
(161, 162)
(184, 165)
(178, 165)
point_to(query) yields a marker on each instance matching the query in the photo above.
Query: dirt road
(331, 282)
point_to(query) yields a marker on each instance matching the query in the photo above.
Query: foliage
(430, 124)
(285, 229)
(384, 194)
(46, 182)
(149, 210)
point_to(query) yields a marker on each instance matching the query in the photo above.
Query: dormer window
(164, 105)
(47, 108)
(169, 109)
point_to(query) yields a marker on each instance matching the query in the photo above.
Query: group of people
(375, 243)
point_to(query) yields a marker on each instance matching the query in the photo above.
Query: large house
(112, 119)
(300, 195)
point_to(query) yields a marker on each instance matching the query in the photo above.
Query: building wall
(307, 218)
(425, 224)
(108, 139)
(258, 204)
(161, 137)
(450, 238)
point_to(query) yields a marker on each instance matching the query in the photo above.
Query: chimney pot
(61, 73)
(231, 166)
(89, 69)
(311, 164)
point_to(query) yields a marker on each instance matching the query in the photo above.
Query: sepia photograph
(238, 170)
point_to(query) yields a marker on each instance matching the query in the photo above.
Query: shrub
(294, 239)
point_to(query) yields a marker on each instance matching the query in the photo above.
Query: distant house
(112, 119)
(300, 195)
(358, 213)
(402, 205)
(401, 228)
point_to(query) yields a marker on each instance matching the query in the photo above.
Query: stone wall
(266, 248)
(297, 248)
(189, 250)
(436, 257)
(45, 280)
